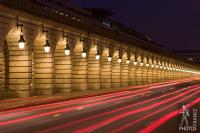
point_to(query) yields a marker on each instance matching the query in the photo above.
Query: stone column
(63, 68)
(93, 69)
(116, 70)
(105, 70)
(79, 69)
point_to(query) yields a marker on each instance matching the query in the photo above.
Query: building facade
(45, 50)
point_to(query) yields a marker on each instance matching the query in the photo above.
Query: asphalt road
(153, 108)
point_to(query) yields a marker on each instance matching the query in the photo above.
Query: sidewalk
(39, 100)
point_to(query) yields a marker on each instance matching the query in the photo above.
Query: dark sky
(173, 23)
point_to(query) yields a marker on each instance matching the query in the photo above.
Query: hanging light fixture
(98, 55)
(147, 65)
(157, 66)
(109, 57)
(119, 60)
(84, 54)
(21, 41)
(152, 65)
(67, 50)
(47, 47)
(135, 62)
(128, 61)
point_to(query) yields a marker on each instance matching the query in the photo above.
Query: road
(148, 108)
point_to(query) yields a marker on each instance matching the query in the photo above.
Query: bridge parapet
(63, 55)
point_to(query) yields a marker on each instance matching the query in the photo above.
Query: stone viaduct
(44, 51)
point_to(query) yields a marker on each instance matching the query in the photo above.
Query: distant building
(189, 55)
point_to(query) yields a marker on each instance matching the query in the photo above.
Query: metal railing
(84, 23)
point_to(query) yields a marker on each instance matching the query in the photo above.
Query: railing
(83, 23)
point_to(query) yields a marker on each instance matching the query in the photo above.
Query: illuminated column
(43, 64)
(2, 70)
(162, 67)
(106, 60)
(139, 69)
(94, 67)
(132, 69)
(125, 69)
(145, 70)
(63, 66)
(154, 69)
(150, 70)
(158, 70)
(79, 66)
(116, 69)
(18, 61)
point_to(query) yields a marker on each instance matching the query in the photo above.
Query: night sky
(175, 24)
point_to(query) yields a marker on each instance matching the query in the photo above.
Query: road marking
(56, 115)
(80, 108)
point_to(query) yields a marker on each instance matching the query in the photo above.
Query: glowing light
(152, 65)
(47, 47)
(135, 62)
(21, 42)
(126, 114)
(109, 58)
(147, 65)
(84, 53)
(157, 66)
(98, 56)
(141, 64)
(119, 60)
(67, 50)
(167, 117)
(127, 61)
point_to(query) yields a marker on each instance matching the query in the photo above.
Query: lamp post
(21, 41)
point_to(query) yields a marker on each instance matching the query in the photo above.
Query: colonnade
(45, 59)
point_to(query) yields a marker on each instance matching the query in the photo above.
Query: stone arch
(5, 27)
(105, 69)
(19, 63)
(116, 69)
(79, 69)
(43, 65)
(124, 70)
(93, 68)
(63, 68)
(3, 49)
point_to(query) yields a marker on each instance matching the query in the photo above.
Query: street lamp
(47, 47)
(21, 41)
(67, 50)
(109, 58)
(97, 55)
(128, 61)
(83, 53)
(119, 60)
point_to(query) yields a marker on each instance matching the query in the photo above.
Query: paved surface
(154, 108)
